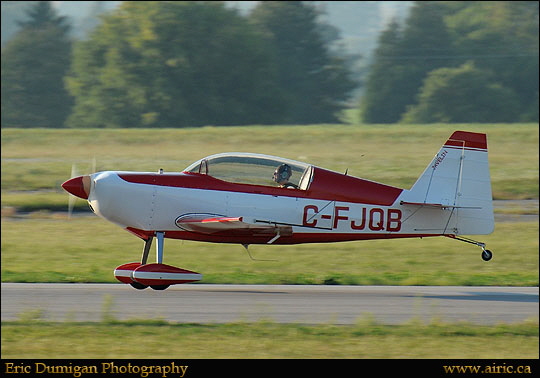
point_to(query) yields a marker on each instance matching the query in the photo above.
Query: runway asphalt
(204, 303)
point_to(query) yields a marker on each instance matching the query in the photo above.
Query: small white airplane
(247, 198)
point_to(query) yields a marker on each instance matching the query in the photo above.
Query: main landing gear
(158, 276)
(486, 253)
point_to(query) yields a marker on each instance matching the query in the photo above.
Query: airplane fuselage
(144, 203)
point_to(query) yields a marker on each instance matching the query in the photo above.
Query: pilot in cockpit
(282, 174)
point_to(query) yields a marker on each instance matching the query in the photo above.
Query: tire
(487, 255)
(138, 286)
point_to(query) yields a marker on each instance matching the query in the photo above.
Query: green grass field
(366, 339)
(87, 249)
(45, 246)
(36, 161)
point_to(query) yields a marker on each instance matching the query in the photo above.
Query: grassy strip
(366, 339)
(32, 159)
(48, 248)
(87, 249)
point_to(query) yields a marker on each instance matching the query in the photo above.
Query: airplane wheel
(487, 255)
(159, 287)
(138, 286)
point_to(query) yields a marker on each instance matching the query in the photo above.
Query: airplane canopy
(250, 168)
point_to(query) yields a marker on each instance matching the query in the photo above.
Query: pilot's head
(282, 174)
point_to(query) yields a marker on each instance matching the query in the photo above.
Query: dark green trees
(34, 64)
(457, 62)
(385, 98)
(166, 64)
(314, 84)
(175, 64)
(462, 94)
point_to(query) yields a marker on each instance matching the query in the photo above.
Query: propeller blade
(78, 186)
(71, 204)
(71, 198)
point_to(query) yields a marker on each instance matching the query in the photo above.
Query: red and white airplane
(248, 198)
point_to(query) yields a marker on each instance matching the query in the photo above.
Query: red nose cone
(78, 186)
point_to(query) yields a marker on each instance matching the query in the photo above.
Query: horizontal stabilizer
(437, 205)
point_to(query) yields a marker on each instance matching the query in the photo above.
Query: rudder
(458, 180)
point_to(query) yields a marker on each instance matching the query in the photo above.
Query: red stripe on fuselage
(326, 185)
(334, 186)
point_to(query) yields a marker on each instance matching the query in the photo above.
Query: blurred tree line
(34, 64)
(178, 64)
(473, 61)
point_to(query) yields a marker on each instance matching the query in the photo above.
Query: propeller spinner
(78, 186)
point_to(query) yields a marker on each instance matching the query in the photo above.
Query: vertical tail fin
(458, 180)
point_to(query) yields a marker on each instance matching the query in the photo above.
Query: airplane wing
(208, 224)
(211, 224)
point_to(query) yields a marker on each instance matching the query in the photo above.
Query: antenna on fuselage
(251, 257)
(347, 170)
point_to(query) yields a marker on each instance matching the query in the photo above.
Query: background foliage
(455, 61)
(179, 64)
(33, 67)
